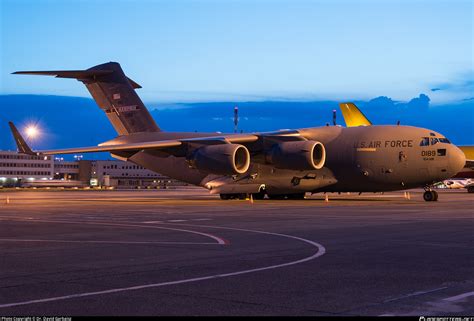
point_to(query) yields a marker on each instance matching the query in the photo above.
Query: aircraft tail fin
(469, 153)
(114, 93)
(20, 141)
(353, 116)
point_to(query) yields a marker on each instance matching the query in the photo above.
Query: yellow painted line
(367, 149)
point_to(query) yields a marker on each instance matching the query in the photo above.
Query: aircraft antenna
(334, 117)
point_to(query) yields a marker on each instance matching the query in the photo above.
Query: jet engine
(299, 155)
(223, 159)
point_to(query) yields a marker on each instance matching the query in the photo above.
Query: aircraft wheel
(241, 196)
(430, 196)
(225, 196)
(470, 189)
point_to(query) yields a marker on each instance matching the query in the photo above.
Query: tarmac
(185, 252)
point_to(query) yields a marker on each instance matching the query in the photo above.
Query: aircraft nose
(457, 160)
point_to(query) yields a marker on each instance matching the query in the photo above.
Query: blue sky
(246, 50)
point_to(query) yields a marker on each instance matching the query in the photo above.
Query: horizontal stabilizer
(353, 116)
(82, 75)
(77, 74)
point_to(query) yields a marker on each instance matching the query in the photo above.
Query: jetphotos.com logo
(446, 319)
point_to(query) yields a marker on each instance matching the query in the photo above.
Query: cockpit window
(444, 140)
(425, 141)
(434, 140)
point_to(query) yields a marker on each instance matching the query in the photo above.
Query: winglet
(353, 116)
(20, 142)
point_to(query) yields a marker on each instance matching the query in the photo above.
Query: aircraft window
(425, 141)
(434, 141)
(432, 134)
(441, 152)
(444, 140)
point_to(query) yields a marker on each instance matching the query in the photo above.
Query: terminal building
(20, 170)
(16, 168)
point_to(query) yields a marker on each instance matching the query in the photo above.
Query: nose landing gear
(430, 196)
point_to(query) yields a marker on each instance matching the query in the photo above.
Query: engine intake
(223, 159)
(299, 155)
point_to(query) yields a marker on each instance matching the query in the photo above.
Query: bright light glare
(32, 131)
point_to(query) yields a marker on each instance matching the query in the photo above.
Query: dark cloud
(421, 101)
(381, 102)
(384, 103)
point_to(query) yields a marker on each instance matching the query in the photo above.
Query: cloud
(462, 83)
(383, 103)
(421, 101)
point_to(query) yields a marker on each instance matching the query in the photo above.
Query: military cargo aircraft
(282, 164)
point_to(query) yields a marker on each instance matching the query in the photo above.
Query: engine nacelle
(223, 159)
(299, 155)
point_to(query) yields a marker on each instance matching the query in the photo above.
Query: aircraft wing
(160, 144)
(353, 116)
(132, 147)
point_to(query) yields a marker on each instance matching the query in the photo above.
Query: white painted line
(176, 221)
(219, 240)
(459, 297)
(104, 242)
(414, 294)
(320, 251)
(201, 219)
(151, 222)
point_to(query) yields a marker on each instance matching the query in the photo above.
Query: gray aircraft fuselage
(358, 159)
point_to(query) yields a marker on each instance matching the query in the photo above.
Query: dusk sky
(245, 50)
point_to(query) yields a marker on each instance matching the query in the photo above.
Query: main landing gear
(430, 196)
